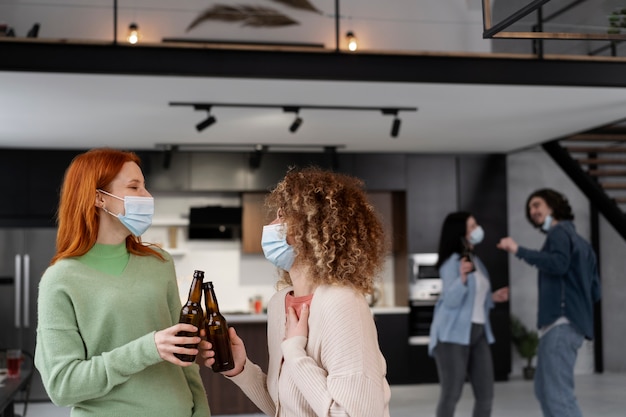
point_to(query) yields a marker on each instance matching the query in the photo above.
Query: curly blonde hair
(337, 233)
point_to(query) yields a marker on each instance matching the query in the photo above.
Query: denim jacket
(568, 278)
(452, 321)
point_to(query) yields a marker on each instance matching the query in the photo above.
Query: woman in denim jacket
(460, 333)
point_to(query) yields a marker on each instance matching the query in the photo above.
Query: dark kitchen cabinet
(30, 182)
(393, 339)
(224, 396)
(431, 194)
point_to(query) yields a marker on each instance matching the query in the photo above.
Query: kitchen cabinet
(254, 217)
(30, 182)
(431, 195)
(224, 396)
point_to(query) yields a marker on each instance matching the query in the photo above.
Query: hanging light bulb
(133, 33)
(352, 42)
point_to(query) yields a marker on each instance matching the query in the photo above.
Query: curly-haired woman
(108, 305)
(329, 245)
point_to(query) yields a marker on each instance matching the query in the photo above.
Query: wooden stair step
(601, 161)
(607, 172)
(620, 200)
(597, 137)
(613, 185)
(596, 149)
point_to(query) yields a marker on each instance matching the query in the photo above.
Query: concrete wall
(612, 273)
(527, 171)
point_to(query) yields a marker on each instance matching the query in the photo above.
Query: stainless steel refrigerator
(25, 254)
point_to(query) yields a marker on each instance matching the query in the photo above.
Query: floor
(598, 396)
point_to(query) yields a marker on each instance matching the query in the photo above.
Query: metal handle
(26, 291)
(18, 290)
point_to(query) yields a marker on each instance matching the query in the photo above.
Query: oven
(424, 290)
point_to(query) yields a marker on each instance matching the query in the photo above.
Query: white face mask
(477, 235)
(547, 222)
(138, 212)
(275, 246)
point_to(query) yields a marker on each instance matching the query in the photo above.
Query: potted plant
(525, 342)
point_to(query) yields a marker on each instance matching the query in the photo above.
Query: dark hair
(561, 210)
(453, 232)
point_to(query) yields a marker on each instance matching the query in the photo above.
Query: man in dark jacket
(568, 287)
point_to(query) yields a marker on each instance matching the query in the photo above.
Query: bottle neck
(210, 301)
(195, 292)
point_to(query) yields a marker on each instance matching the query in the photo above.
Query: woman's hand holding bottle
(166, 341)
(237, 346)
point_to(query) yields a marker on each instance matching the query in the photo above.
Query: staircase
(596, 162)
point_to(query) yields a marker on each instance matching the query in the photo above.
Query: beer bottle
(191, 313)
(217, 331)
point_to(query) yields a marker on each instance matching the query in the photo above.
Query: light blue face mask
(275, 246)
(477, 235)
(547, 223)
(138, 212)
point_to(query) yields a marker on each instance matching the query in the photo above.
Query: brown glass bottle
(191, 313)
(468, 254)
(217, 331)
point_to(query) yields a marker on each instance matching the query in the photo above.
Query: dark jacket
(568, 278)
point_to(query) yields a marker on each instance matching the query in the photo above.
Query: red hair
(78, 218)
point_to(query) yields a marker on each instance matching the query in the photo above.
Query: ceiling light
(206, 122)
(352, 42)
(133, 34)
(295, 108)
(296, 124)
(395, 127)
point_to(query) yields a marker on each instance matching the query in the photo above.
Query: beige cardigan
(337, 371)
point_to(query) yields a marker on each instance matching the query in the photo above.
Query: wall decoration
(253, 16)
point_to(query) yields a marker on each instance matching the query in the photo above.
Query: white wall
(528, 171)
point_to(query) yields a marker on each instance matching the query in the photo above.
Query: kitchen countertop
(262, 318)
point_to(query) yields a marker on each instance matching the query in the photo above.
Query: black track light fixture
(206, 122)
(295, 108)
(256, 156)
(297, 122)
(395, 127)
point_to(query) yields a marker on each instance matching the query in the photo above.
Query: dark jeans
(455, 362)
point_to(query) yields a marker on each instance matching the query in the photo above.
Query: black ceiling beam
(59, 57)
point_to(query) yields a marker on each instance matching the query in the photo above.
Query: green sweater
(95, 339)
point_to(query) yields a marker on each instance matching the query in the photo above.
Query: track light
(352, 42)
(256, 156)
(295, 108)
(206, 122)
(296, 124)
(133, 34)
(395, 127)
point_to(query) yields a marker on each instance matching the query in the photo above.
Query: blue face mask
(138, 212)
(546, 223)
(477, 235)
(275, 246)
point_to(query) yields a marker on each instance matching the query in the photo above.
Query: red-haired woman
(108, 304)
